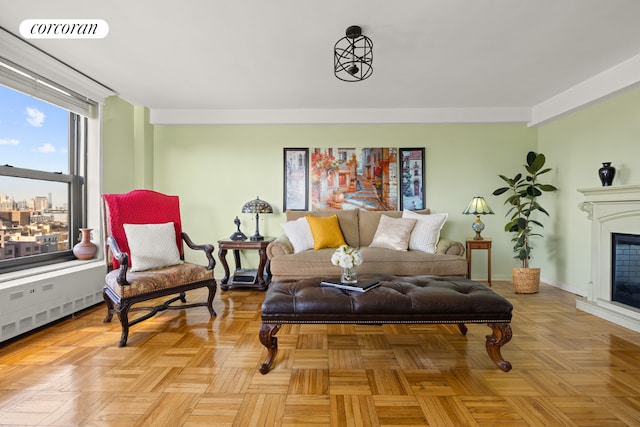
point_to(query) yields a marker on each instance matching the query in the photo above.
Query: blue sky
(33, 135)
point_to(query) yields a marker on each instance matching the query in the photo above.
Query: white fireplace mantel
(621, 193)
(614, 209)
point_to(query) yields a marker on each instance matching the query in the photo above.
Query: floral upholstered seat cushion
(144, 282)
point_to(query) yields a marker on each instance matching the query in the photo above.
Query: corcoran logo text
(64, 29)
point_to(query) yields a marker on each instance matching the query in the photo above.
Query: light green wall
(576, 146)
(216, 169)
(143, 148)
(127, 147)
(117, 146)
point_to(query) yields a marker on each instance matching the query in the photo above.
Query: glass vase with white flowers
(348, 258)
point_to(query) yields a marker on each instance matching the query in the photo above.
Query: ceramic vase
(85, 249)
(606, 174)
(349, 276)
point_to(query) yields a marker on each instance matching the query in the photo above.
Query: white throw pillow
(393, 233)
(152, 246)
(426, 233)
(299, 234)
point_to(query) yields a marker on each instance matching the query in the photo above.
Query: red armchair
(145, 257)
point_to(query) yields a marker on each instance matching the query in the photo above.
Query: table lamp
(257, 207)
(478, 206)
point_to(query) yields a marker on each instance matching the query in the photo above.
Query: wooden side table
(240, 245)
(484, 244)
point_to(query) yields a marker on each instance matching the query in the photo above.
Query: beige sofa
(358, 228)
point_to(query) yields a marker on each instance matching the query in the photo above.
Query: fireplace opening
(625, 269)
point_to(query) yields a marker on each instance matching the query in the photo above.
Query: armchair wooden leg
(110, 308)
(123, 315)
(212, 294)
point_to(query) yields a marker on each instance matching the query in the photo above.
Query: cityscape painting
(350, 178)
(412, 195)
(296, 179)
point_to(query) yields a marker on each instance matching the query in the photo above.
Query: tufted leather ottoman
(398, 299)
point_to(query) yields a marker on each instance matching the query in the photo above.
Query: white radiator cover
(29, 302)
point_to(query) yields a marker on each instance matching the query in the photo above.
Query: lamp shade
(257, 206)
(478, 206)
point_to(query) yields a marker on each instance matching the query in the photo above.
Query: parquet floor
(183, 369)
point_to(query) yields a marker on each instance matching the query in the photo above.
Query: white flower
(346, 257)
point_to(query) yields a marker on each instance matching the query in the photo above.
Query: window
(78, 98)
(42, 170)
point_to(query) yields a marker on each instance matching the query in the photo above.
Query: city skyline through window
(37, 141)
(33, 135)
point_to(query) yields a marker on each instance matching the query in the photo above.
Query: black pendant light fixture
(353, 56)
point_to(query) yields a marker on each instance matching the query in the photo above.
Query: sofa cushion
(368, 223)
(426, 233)
(410, 263)
(299, 234)
(348, 220)
(375, 261)
(307, 263)
(393, 233)
(326, 232)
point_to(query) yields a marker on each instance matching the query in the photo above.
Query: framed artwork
(296, 179)
(350, 178)
(412, 170)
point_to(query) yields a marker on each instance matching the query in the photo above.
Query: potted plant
(523, 192)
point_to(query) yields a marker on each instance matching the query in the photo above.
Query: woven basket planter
(526, 280)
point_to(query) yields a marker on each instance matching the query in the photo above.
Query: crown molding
(597, 88)
(160, 116)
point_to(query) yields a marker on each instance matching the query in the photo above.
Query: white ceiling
(278, 55)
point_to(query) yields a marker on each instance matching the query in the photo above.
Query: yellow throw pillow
(326, 232)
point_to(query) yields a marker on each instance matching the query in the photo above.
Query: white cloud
(35, 117)
(9, 142)
(47, 148)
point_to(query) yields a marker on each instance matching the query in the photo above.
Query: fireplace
(625, 269)
(613, 292)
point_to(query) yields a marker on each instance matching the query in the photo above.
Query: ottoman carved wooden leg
(463, 328)
(268, 339)
(500, 336)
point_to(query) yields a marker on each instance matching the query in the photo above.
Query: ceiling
(270, 55)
